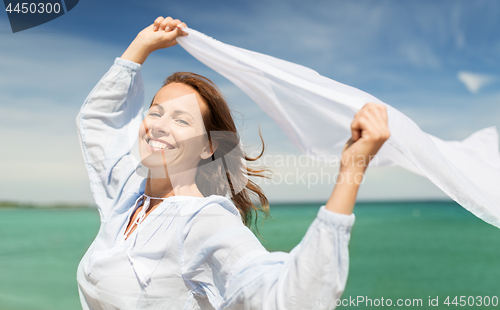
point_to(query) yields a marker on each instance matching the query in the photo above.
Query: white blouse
(189, 252)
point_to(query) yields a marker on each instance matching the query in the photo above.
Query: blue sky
(436, 61)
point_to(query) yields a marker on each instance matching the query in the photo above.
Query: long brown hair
(229, 175)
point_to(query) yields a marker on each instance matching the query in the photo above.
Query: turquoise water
(39, 253)
(397, 250)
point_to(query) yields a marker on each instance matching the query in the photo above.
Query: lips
(158, 144)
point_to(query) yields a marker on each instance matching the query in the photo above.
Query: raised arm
(314, 274)
(109, 119)
(369, 131)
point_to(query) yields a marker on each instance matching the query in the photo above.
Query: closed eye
(182, 121)
(154, 114)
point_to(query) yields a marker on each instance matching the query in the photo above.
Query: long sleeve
(230, 266)
(108, 124)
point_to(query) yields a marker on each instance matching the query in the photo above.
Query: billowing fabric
(189, 252)
(315, 112)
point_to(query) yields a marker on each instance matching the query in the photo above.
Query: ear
(206, 153)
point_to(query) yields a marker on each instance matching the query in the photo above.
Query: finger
(373, 129)
(369, 123)
(179, 33)
(164, 24)
(172, 23)
(367, 126)
(384, 118)
(383, 112)
(377, 111)
(157, 22)
(172, 34)
(180, 27)
(379, 115)
(374, 113)
(177, 25)
(355, 129)
(380, 111)
(358, 124)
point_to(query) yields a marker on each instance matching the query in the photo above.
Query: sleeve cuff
(333, 219)
(127, 64)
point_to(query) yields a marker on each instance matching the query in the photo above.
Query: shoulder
(208, 217)
(214, 205)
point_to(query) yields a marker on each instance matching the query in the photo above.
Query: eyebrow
(175, 112)
(157, 104)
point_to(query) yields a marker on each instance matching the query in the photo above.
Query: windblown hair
(225, 173)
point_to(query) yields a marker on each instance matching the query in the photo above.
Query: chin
(154, 161)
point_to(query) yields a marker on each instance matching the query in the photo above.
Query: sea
(406, 254)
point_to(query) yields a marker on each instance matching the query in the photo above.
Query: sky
(435, 61)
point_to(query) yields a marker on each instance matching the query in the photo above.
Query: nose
(160, 127)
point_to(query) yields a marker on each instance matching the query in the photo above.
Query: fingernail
(155, 28)
(167, 28)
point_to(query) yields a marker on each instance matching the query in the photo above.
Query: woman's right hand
(161, 34)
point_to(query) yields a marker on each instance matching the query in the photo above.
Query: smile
(160, 145)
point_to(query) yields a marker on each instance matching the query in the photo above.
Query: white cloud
(475, 81)
(420, 55)
(456, 17)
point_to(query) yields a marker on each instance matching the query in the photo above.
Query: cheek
(191, 142)
(142, 132)
(144, 127)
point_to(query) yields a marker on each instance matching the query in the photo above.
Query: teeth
(158, 145)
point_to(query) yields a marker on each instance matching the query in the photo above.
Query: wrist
(344, 194)
(350, 175)
(355, 161)
(137, 51)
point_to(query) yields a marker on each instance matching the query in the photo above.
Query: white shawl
(315, 112)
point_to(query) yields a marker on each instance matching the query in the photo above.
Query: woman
(170, 238)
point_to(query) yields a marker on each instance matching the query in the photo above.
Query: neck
(163, 185)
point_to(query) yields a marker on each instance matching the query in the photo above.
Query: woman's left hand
(369, 130)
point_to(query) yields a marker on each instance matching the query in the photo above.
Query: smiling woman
(180, 154)
(176, 238)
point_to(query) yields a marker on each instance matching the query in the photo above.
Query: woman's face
(173, 134)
